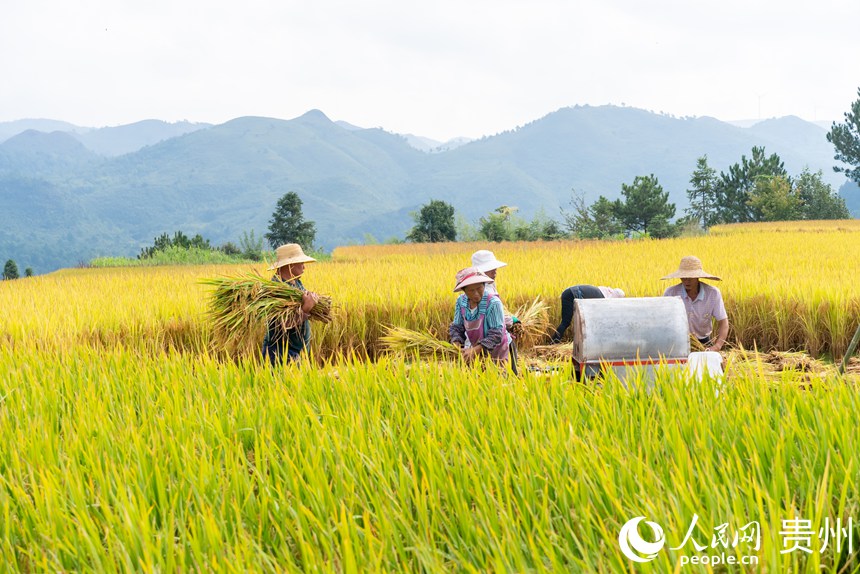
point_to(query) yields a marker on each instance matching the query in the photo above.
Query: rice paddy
(133, 444)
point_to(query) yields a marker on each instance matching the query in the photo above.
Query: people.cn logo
(634, 546)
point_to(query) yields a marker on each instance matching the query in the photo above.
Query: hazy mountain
(226, 179)
(851, 192)
(108, 141)
(425, 144)
(347, 125)
(9, 129)
(36, 153)
(112, 141)
(430, 145)
(421, 143)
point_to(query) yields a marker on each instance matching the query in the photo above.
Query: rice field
(134, 445)
(786, 290)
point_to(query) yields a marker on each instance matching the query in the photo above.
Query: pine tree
(288, 224)
(10, 270)
(702, 193)
(646, 207)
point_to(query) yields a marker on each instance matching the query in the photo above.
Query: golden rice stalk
(556, 352)
(240, 306)
(406, 342)
(534, 318)
(770, 366)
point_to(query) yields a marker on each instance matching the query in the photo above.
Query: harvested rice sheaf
(402, 341)
(533, 323)
(239, 307)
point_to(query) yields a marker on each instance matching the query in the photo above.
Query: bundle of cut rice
(240, 307)
(770, 366)
(556, 352)
(406, 342)
(534, 320)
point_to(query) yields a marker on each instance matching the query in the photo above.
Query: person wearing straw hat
(478, 318)
(289, 266)
(703, 302)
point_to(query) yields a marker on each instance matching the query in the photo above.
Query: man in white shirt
(703, 303)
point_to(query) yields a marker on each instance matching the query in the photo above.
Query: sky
(439, 69)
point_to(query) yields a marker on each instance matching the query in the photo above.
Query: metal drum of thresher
(634, 333)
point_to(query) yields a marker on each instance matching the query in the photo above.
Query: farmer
(703, 302)
(289, 267)
(569, 297)
(478, 318)
(485, 262)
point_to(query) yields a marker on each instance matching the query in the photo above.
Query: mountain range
(68, 194)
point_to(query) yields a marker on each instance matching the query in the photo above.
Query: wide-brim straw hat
(289, 254)
(691, 268)
(485, 260)
(470, 276)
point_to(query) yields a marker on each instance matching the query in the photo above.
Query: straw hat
(470, 276)
(289, 254)
(691, 268)
(484, 261)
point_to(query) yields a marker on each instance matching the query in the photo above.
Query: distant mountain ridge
(61, 202)
(109, 141)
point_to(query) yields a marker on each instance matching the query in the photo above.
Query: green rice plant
(174, 462)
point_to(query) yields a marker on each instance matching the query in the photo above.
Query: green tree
(544, 228)
(28, 272)
(251, 246)
(10, 270)
(646, 207)
(466, 231)
(197, 242)
(231, 249)
(160, 243)
(288, 224)
(179, 239)
(597, 221)
(774, 199)
(605, 217)
(494, 227)
(734, 188)
(434, 223)
(702, 193)
(846, 139)
(819, 199)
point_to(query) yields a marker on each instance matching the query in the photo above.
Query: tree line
(287, 225)
(755, 189)
(10, 271)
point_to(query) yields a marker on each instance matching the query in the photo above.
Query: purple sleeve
(457, 333)
(492, 338)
